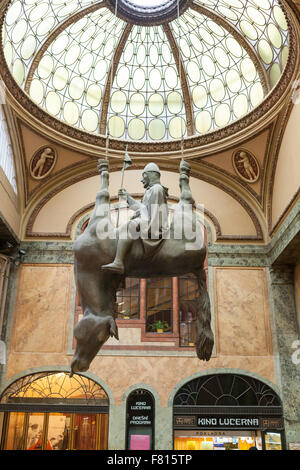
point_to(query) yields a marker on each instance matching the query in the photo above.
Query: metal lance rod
(127, 163)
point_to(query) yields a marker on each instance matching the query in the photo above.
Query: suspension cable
(180, 66)
(111, 78)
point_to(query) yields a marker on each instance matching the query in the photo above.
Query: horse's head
(91, 333)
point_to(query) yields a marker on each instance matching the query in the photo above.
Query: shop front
(51, 411)
(227, 412)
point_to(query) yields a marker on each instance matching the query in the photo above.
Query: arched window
(52, 411)
(227, 411)
(226, 390)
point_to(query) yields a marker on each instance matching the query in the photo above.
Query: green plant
(159, 325)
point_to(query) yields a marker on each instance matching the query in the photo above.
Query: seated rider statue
(149, 222)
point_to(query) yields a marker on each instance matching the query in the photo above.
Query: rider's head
(151, 175)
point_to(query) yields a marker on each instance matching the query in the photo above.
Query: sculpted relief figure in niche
(246, 165)
(42, 162)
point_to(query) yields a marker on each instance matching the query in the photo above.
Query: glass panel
(15, 438)
(128, 306)
(118, 101)
(177, 127)
(174, 101)
(188, 292)
(52, 387)
(116, 126)
(280, 17)
(222, 115)
(103, 431)
(217, 89)
(85, 432)
(157, 129)
(203, 122)
(200, 96)
(35, 431)
(273, 441)
(58, 437)
(217, 440)
(156, 104)
(265, 51)
(159, 305)
(90, 120)
(147, 64)
(136, 129)
(71, 113)
(93, 95)
(137, 104)
(275, 73)
(60, 78)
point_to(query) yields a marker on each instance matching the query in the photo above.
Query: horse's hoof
(115, 268)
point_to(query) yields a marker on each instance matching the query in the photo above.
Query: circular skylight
(187, 76)
(148, 3)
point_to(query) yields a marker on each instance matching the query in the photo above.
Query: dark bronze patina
(99, 273)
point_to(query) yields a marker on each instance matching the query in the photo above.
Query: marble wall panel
(297, 291)
(242, 312)
(42, 309)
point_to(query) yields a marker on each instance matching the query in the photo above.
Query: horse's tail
(204, 334)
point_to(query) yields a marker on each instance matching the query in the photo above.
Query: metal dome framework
(188, 76)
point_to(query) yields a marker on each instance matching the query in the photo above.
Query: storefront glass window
(34, 439)
(64, 428)
(58, 434)
(273, 441)
(15, 431)
(85, 432)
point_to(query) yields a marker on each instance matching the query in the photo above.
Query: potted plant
(126, 314)
(159, 326)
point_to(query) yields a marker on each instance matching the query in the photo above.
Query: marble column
(286, 334)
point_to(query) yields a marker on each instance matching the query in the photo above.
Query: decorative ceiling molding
(248, 124)
(241, 39)
(59, 29)
(258, 196)
(110, 79)
(184, 82)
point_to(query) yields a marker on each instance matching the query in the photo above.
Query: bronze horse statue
(97, 288)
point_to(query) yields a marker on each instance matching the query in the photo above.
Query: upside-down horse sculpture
(105, 255)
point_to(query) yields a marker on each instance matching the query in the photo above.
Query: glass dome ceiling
(188, 75)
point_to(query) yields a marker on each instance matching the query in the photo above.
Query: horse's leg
(97, 295)
(97, 292)
(204, 334)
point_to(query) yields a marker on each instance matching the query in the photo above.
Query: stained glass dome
(188, 68)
